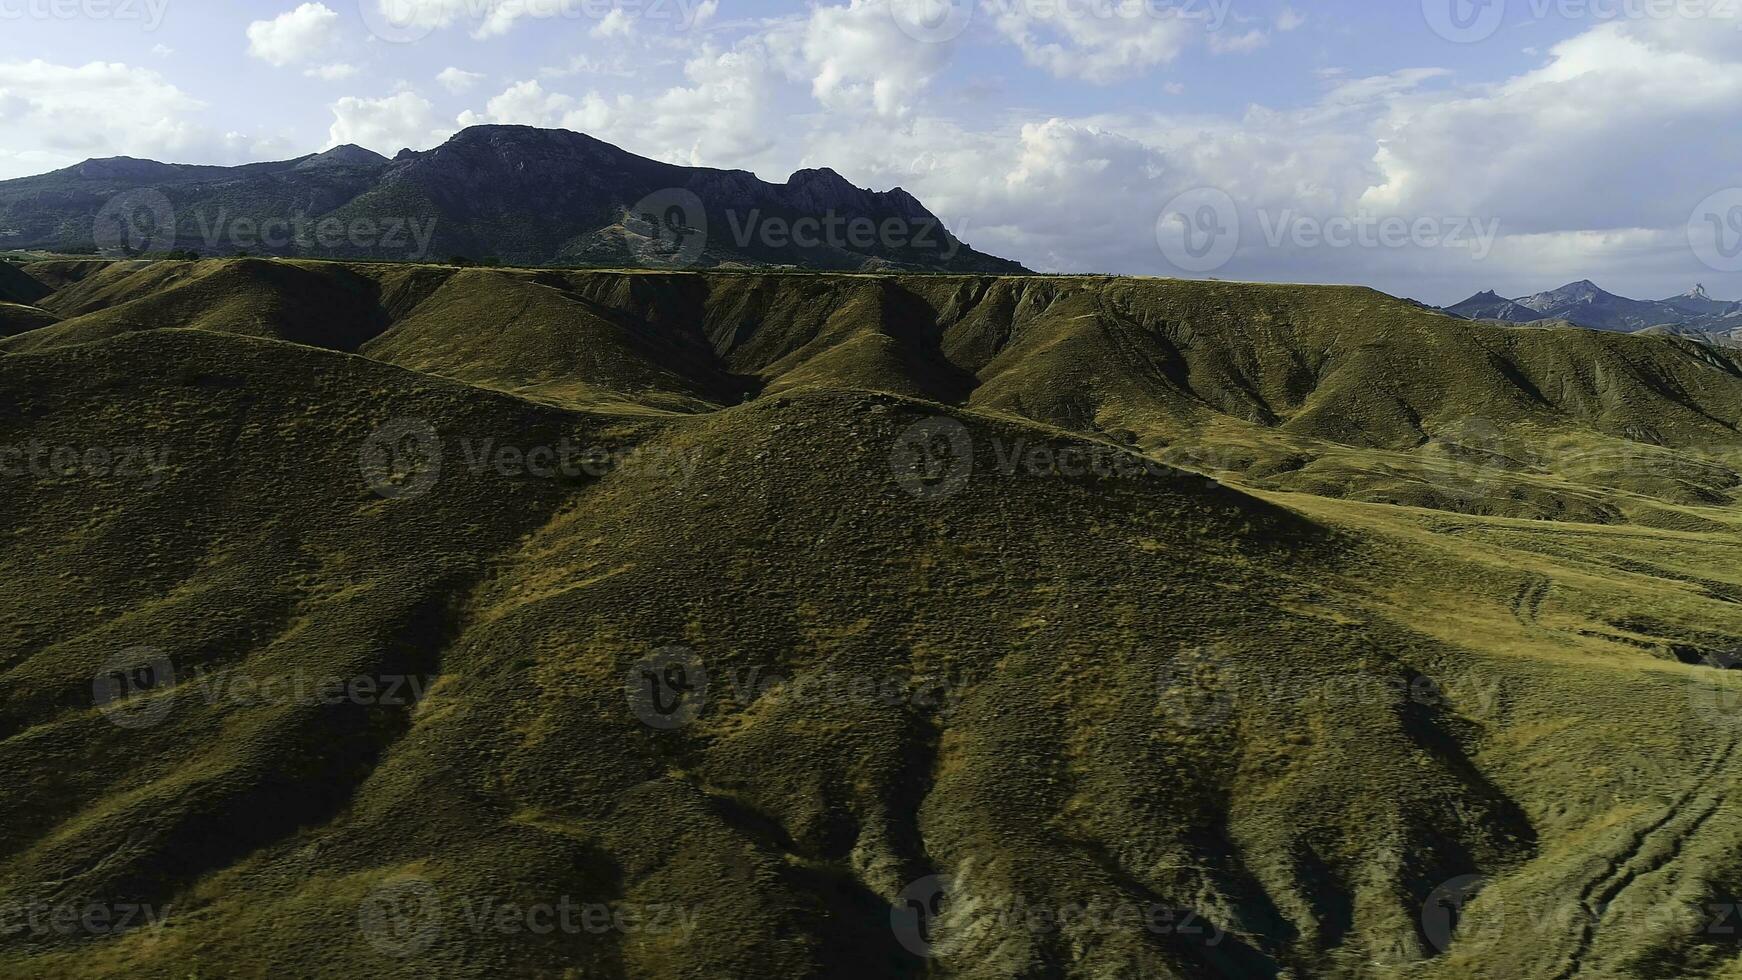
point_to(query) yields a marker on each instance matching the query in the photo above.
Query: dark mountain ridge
(515, 193)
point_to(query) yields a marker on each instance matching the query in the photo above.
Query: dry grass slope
(1285, 706)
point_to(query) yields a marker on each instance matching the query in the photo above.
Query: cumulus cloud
(332, 73)
(1098, 43)
(522, 104)
(1603, 113)
(494, 18)
(720, 119)
(1238, 43)
(55, 115)
(858, 58)
(457, 81)
(386, 125)
(299, 36)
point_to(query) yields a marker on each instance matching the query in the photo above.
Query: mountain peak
(122, 168)
(347, 155)
(527, 196)
(818, 175)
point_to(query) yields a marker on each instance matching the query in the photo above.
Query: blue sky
(1425, 147)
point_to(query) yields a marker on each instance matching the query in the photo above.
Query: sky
(1428, 148)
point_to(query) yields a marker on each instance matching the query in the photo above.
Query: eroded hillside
(944, 621)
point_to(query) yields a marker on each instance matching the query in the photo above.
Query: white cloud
(458, 81)
(1239, 43)
(522, 104)
(1582, 143)
(494, 18)
(55, 115)
(332, 73)
(1097, 43)
(386, 125)
(1290, 19)
(857, 57)
(162, 50)
(620, 66)
(616, 23)
(298, 36)
(721, 119)
(725, 117)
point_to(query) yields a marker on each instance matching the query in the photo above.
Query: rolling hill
(1014, 626)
